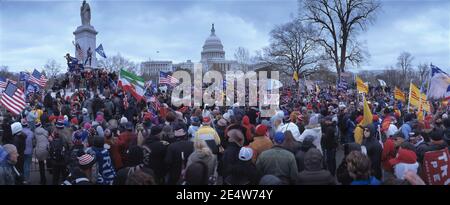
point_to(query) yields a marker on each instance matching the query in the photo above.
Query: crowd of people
(100, 134)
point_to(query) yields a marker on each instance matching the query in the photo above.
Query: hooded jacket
(374, 151)
(316, 132)
(209, 159)
(313, 173)
(42, 144)
(249, 127)
(174, 161)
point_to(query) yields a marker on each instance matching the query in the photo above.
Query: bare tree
(404, 64)
(293, 47)
(4, 72)
(117, 62)
(339, 22)
(242, 56)
(52, 68)
(423, 70)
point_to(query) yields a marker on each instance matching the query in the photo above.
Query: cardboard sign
(436, 165)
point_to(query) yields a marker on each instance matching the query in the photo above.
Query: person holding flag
(132, 83)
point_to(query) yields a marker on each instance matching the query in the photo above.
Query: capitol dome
(213, 48)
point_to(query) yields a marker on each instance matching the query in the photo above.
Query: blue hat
(279, 137)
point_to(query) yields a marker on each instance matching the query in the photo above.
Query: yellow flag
(399, 95)
(367, 117)
(420, 114)
(295, 76)
(414, 95)
(425, 104)
(361, 86)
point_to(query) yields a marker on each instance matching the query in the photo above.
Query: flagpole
(429, 79)
(409, 98)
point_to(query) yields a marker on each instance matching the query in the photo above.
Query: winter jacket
(125, 139)
(42, 144)
(173, 159)
(329, 136)
(249, 127)
(28, 141)
(210, 136)
(316, 132)
(7, 173)
(105, 171)
(374, 151)
(209, 160)
(155, 153)
(389, 152)
(300, 155)
(279, 162)
(313, 173)
(259, 145)
(242, 173)
(230, 157)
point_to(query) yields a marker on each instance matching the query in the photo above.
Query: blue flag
(24, 76)
(100, 51)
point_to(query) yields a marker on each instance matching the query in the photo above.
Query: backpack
(57, 151)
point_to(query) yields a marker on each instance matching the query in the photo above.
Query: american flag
(155, 103)
(79, 50)
(13, 99)
(38, 78)
(4, 82)
(165, 78)
(342, 85)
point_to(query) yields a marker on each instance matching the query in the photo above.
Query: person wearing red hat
(261, 141)
(209, 135)
(406, 160)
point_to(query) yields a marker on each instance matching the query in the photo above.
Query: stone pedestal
(85, 36)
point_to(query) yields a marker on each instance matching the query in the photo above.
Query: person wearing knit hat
(8, 158)
(278, 138)
(60, 122)
(86, 161)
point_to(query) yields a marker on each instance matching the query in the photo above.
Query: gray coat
(209, 160)
(279, 162)
(41, 139)
(7, 176)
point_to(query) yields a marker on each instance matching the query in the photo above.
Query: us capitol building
(212, 58)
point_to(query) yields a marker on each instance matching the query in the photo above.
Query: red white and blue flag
(4, 82)
(37, 78)
(165, 78)
(13, 99)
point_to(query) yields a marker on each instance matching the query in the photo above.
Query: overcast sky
(31, 32)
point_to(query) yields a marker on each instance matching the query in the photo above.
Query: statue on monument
(85, 12)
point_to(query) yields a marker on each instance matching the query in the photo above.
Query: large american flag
(165, 78)
(13, 99)
(38, 78)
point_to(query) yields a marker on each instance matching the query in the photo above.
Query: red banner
(436, 165)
